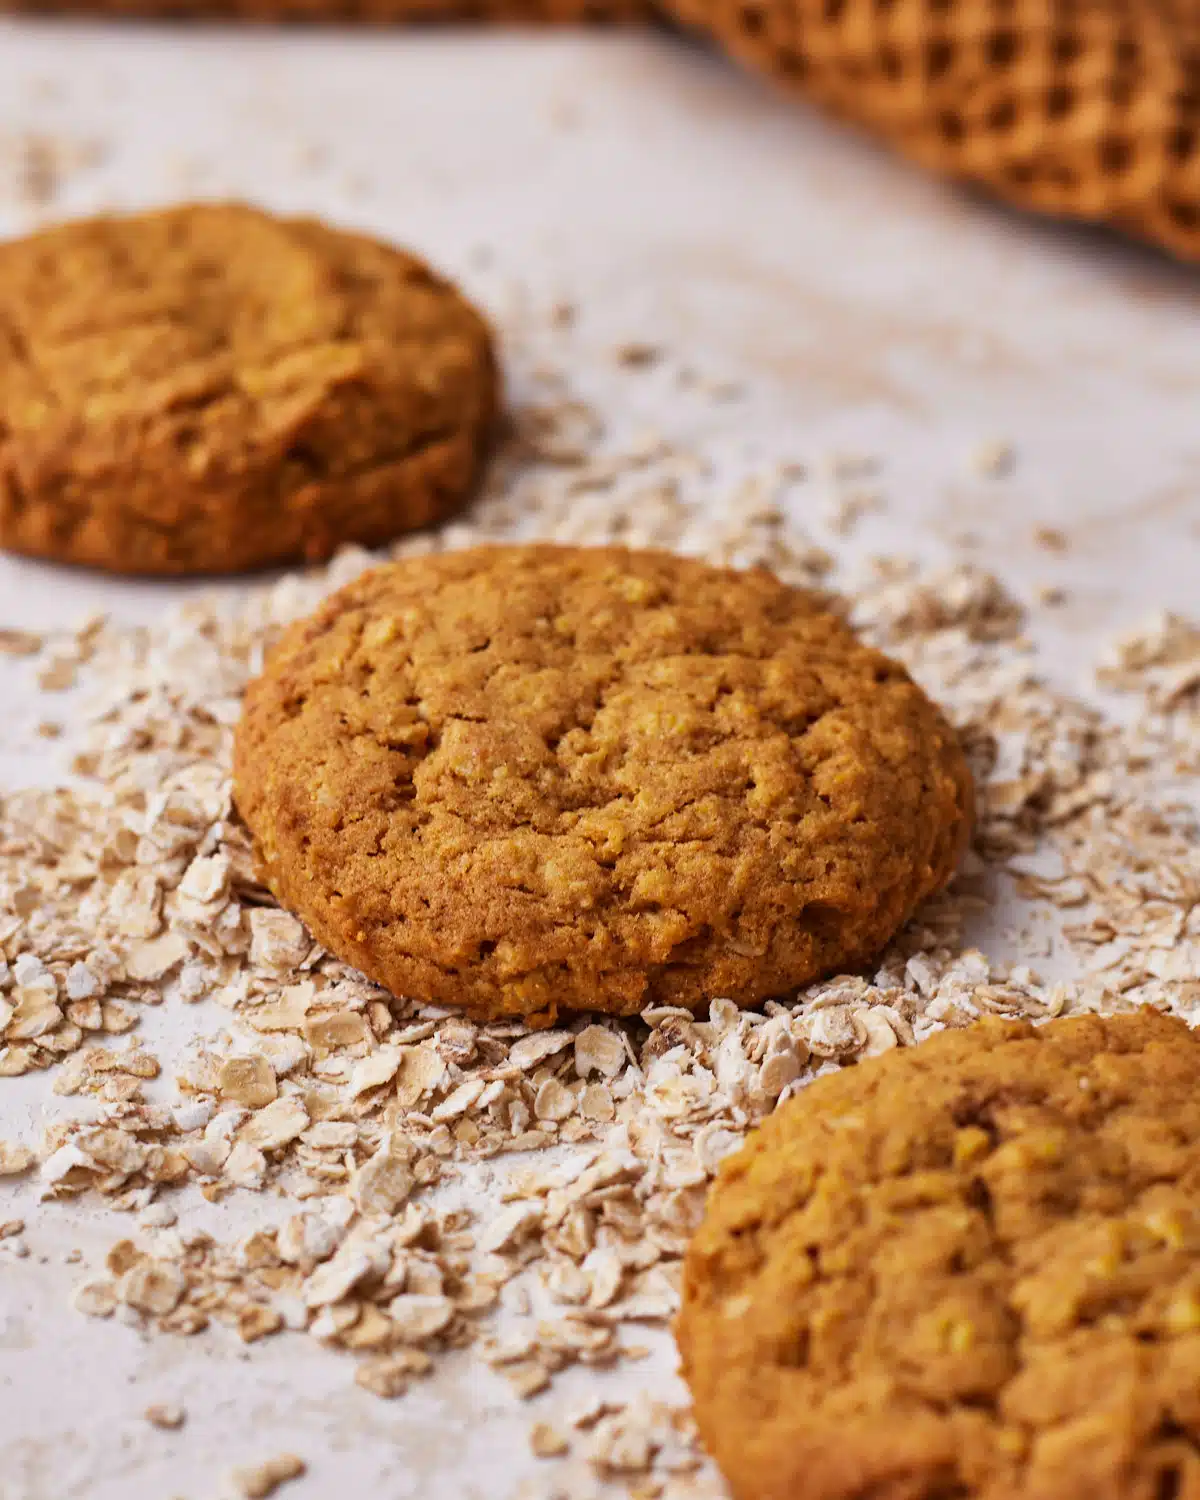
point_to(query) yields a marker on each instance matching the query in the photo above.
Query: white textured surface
(866, 310)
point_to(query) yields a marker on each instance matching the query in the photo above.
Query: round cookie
(966, 1271)
(208, 388)
(526, 779)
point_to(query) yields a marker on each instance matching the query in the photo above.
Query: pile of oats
(455, 1186)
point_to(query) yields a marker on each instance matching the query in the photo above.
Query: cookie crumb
(168, 1417)
(995, 459)
(635, 356)
(262, 1481)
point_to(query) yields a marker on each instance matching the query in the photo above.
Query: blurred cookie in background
(209, 389)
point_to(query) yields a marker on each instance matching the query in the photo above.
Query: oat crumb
(995, 459)
(262, 1481)
(637, 356)
(169, 1417)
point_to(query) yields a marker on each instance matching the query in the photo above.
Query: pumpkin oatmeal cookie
(966, 1271)
(531, 778)
(207, 389)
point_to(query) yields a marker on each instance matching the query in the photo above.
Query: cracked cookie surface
(966, 1271)
(209, 388)
(526, 779)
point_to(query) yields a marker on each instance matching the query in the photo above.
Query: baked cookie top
(529, 778)
(208, 388)
(969, 1269)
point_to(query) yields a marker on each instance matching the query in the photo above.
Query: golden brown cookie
(966, 1271)
(1082, 108)
(536, 778)
(209, 388)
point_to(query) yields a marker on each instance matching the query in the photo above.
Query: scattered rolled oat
(15, 1160)
(97, 1299)
(19, 643)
